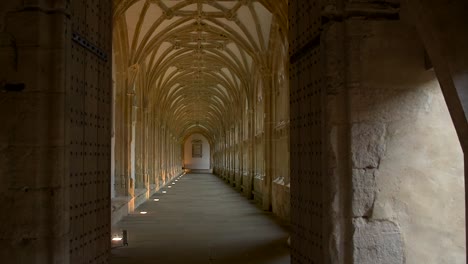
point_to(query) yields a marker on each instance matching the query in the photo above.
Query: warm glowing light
(156, 200)
(176, 180)
(173, 183)
(164, 192)
(169, 186)
(116, 239)
(143, 213)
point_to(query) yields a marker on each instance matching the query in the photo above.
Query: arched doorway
(197, 153)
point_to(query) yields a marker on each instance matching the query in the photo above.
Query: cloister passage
(341, 125)
(201, 220)
(345, 131)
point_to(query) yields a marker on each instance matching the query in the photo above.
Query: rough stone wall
(281, 180)
(54, 146)
(408, 202)
(337, 182)
(191, 162)
(377, 92)
(33, 148)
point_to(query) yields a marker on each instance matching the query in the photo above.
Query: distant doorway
(197, 153)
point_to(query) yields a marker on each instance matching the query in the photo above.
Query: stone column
(120, 183)
(140, 144)
(33, 141)
(127, 141)
(268, 140)
(251, 153)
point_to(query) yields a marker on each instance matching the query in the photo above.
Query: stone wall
(408, 195)
(54, 145)
(191, 162)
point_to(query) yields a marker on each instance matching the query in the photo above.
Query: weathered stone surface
(377, 242)
(368, 145)
(402, 130)
(364, 189)
(281, 201)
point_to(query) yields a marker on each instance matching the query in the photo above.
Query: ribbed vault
(193, 61)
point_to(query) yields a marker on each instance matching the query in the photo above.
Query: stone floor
(201, 219)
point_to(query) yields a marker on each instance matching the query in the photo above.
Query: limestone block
(334, 61)
(49, 64)
(35, 119)
(25, 27)
(377, 242)
(368, 145)
(35, 250)
(32, 167)
(364, 188)
(281, 200)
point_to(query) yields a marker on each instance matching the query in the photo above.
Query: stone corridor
(201, 220)
(342, 125)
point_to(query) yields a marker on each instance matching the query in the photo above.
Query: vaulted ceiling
(195, 58)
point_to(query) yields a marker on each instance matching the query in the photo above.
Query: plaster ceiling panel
(132, 15)
(233, 26)
(173, 88)
(211, 24)
(171, 3)
(238, 53)
(228, 73)
(162, 49)
(190, 8)
(166, 24)
(208, 8)
(148, 61)
(265, 18)
(152, 15)
(217, 99)
(228, 4)
(223, 90)
(246, 18)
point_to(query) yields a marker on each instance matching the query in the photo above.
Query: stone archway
(197, 153)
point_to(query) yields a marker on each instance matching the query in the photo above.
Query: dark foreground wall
(54, 140)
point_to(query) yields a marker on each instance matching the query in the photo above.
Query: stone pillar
(33, 141)
(127, 144)
(337, 190)
(226, 154)
(140, 143)
(55, 139)
(120, 183)
(241, 150)
(268, 140)
(251, 153)
(157, 154)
